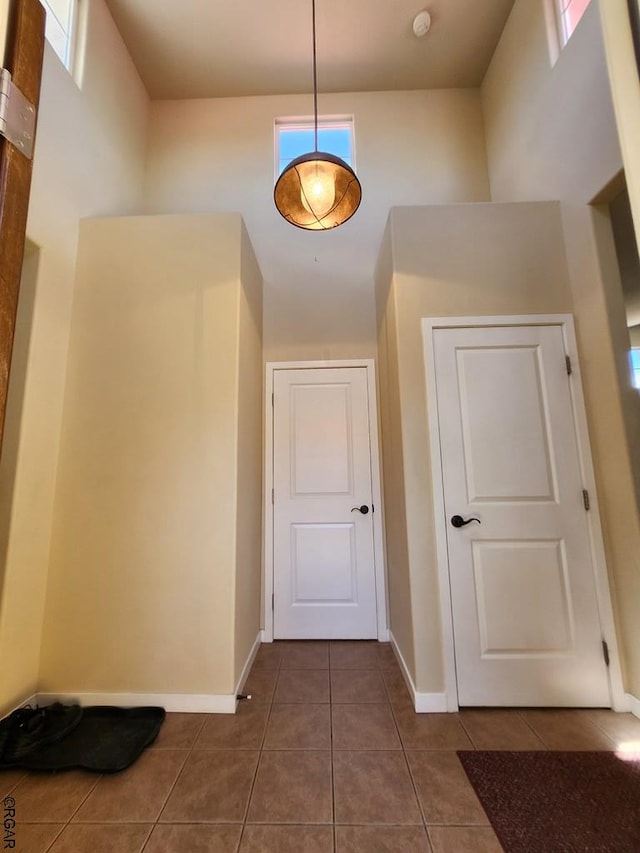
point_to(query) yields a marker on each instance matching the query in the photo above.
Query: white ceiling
(224, 48)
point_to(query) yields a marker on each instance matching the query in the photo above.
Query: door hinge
(17, 116)
(273, 598)
(272, 399)
(272, 496)
(567, 360)
(585, 500)
(605, 652)
(373, 509)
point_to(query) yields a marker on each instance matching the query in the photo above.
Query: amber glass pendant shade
(317, 191)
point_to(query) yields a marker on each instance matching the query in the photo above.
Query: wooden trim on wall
(24, 54)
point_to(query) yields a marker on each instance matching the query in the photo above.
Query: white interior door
(524, 606)
(323, 544)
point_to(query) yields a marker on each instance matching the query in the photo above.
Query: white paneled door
(323, 543)
(524, 606)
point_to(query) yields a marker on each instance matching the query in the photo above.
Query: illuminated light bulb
(318, 189)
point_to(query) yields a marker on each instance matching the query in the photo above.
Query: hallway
(327, 756)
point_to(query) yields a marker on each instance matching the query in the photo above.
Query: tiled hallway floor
(327, 756)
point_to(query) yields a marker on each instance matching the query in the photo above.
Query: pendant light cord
(315, 79)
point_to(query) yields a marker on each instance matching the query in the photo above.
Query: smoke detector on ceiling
(421, 24)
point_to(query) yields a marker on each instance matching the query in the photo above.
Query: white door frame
(376, 491)
(619, 701)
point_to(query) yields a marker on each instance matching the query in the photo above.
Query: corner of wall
(599, 329)
(249, 499)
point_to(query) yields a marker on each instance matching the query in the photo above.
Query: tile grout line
(535, 733)
(65, 825)
(13, 789)
(467, 732)
(259, 762)
(333, 782)
(604, 732)
(425, 825)
(19, 782)
(475, 748)
(411, 777)
(57, 836)
(84, 800)
(172, 788)
(79, 806)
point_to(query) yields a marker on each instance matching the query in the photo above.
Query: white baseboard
(190, 703)
(267, 637)
(32, 701)
(424, 703)
(430, 703)
(634, 704)
(249, 663)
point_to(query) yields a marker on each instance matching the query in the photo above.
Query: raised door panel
(323, 564)
(321, 440)
(522, 598)
(504, 425)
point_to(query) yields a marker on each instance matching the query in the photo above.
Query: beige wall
(551, 132)
(411, 148)
(608, 270)
(24, 590)
(393, 482)
(603, 341)
(248, 577)
(143, 575)
(457, 260)
(88, 160)
(625, 88)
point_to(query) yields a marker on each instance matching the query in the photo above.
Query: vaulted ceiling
(224, 48)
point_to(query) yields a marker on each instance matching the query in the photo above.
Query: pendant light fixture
(317, 191)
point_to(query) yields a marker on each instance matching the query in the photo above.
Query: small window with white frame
(60, 28)
(568, 16)
(295, 136)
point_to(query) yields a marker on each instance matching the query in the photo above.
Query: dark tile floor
(327, 756)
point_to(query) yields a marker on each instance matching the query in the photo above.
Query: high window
(60, 27)
(635, 366)
(569, 13)
(296, 136)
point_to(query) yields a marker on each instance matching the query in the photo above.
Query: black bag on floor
(102, 738)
